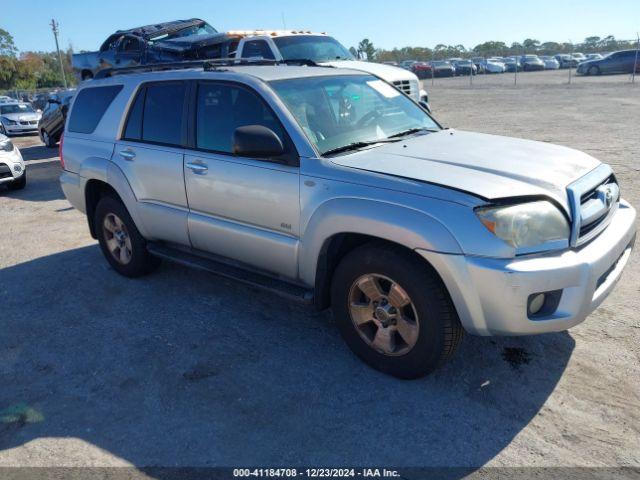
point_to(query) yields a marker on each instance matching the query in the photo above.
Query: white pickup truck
(287, 45)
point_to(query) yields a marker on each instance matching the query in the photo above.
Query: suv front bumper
(491, 295)
(11, 166)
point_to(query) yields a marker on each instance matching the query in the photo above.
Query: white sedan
(550, 63)
(18, 117)
(494, 65)
(13, 173)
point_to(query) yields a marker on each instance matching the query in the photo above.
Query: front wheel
(121, 243)
(594, 70)
(394, 312)
(47, 140)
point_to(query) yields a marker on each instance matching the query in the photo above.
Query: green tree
(7, 47)
(490, 49)
(8, 72)
(550, 48)
(366, 47)
(531, 45)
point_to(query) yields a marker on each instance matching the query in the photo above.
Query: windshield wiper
(358, 145)
(412, 131)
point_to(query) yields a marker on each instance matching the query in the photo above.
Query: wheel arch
(340, 225)
(102, 177)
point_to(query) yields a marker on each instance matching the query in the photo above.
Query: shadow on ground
(38, 152)
(185, 369)
(42, 183)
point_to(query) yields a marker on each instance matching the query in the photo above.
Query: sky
(85, 24)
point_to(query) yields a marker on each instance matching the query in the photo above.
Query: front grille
(29, 122)
(594, 200)
(409, 87)
(5, 171)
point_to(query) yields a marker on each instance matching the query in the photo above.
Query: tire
(20, 183)
(2, 129)
(593, 70)
(122, 235)
(47, 140)
(432, 330)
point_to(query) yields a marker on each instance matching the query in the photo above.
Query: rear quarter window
(156, 115)
(89, 107)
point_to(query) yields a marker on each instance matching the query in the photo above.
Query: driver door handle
(198, 168)
(128, 155)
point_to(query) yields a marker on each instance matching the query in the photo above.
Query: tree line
(31, 70)
(441, 51)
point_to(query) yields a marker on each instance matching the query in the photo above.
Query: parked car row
(590, 64)
(19, 118)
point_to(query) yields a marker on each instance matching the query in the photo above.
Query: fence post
(635, 62)
(570, 60)
(433, 70)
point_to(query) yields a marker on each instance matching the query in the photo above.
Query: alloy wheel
(117, 238)
(383, 314)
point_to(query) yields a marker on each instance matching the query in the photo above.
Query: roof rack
(207, 65)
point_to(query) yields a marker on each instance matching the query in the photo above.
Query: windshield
(339, 111)
(201, 29)
(20, 108)
(311, 47)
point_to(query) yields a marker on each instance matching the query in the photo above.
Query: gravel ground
(185, 369)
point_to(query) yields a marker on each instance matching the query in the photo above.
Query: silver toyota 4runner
(331, 186)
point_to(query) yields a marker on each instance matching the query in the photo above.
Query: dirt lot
(182, 368)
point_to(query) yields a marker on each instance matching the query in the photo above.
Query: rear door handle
(198, 168)
(128, 155)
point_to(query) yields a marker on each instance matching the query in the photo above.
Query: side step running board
(254, 279)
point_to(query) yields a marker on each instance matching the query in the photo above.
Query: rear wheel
(394, 312)
(121, 243)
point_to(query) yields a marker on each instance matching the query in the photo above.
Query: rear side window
(257, 49)
(134, 123)
(156, 114)
(89, 107)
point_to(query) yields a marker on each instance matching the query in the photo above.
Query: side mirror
(256, 141)
(425, 105)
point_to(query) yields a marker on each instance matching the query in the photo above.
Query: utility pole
(54, 27)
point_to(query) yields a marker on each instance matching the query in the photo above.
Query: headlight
(6, 121)
(6, 145)
(525, 224)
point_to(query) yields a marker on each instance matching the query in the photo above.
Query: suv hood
(488, 166)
